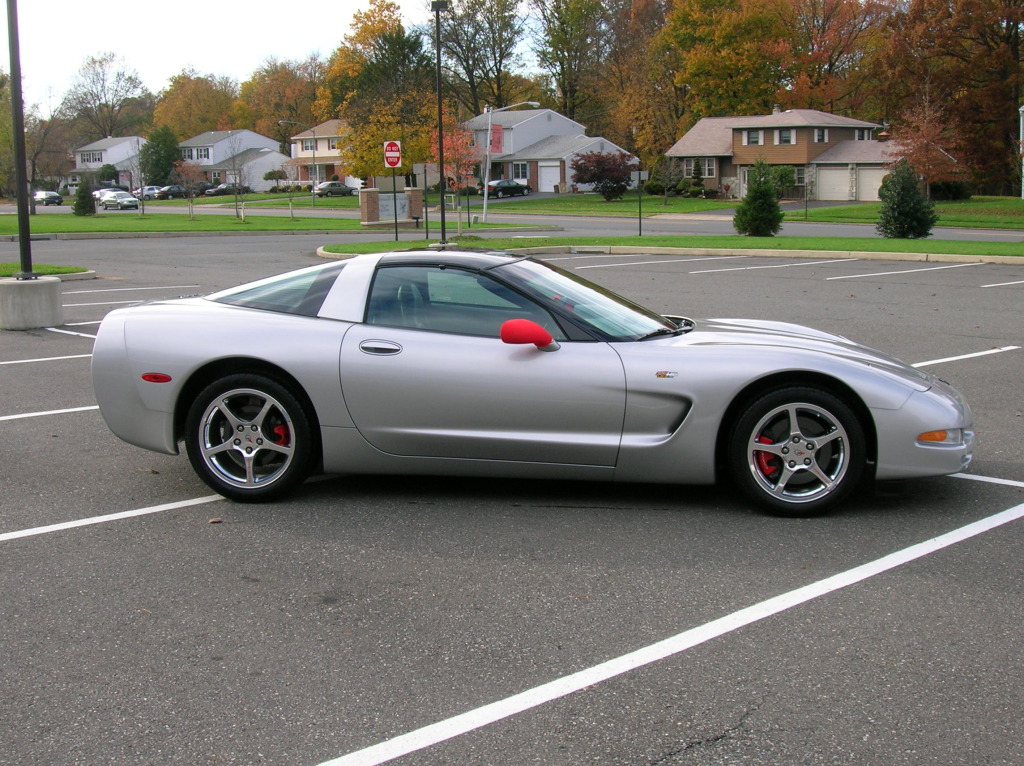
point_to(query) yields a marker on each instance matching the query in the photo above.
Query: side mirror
(523, 331)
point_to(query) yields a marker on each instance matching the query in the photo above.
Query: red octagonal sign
(392, 153)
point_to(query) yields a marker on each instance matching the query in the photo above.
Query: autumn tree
(730, 57)
(479, 46)
(193, 104)
(968, 55)
(279, 90)
(928, 140)
(107, 98)
(609, 172)
(568, 44)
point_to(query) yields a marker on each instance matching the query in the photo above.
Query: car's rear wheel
(249, 438)
(797, 451)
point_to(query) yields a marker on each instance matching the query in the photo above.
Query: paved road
(193, 631)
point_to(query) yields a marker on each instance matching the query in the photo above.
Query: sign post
(638, 177)
(393, 159)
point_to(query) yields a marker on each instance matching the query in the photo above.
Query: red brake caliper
(281, 436)
(766, 461)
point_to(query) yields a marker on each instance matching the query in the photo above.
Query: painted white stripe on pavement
(967, 356)
(656, 263)
(1005, 284)
(540, 695)
(47, 359)
(128, 289)
(988, 479)
(109, 517)
(69, 332)
(48, 412)
(907, 271)
(777, 266)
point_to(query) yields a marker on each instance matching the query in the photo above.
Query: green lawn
(10, 269)
(830, 244)
(594, 204)
(978, 212)
(132, 221)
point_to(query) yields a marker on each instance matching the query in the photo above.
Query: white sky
(159, 39)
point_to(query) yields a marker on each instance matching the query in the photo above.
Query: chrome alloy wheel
(798, 452)
(246, 438)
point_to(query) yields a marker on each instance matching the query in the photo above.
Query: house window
(308, 145)
(88, 157)
(751, 137)
(332, 144)
(203, 153)
(707, 167)
(520, 170)
(863, 134)
(800, 176)
(187, 154)
(215, 176)
(785, 137)
(821, 135)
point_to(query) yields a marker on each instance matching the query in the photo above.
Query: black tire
(249, 438)
(797, 452)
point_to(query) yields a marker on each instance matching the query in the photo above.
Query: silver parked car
(489, 364)
(120, 200)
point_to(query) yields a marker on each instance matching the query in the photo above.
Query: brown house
(834, 158)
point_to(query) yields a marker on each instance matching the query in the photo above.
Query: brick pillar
(369, 206)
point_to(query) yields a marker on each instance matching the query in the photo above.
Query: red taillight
(156, 377)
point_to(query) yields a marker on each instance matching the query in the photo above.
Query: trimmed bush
(759, 214)
(906, 213)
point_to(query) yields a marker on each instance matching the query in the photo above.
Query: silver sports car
(487, 364)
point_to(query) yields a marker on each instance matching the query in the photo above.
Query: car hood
(798, 338)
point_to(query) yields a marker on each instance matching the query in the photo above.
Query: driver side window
(449, 300)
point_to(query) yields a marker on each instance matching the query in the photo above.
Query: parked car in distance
(232, 188)
(171, 192)
(98, 194)
(48, 198)
(146, 192)
(506, 187)
(335, 189)
(120, 200)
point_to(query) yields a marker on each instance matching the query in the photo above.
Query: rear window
(301, 292)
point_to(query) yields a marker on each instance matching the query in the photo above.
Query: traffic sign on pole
(392, 154)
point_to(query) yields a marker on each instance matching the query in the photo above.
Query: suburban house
(234, 156)
(534, 146)
(316, 157)
(835, 158)
(122, 153)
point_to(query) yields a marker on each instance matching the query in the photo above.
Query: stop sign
(392, 153)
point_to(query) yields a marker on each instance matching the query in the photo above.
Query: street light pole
(315, 174)
(1022, 151)
(487, 157)
(436, 6)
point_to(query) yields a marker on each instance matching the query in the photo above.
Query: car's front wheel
(797, 451)
(249, 438)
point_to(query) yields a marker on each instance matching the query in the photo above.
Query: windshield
(609, 316)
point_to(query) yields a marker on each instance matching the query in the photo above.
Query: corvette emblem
(665, 374)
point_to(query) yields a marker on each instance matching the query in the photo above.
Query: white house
(122, 153)
(234, 156)
(535, 146)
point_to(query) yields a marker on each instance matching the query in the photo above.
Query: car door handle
(379, 347)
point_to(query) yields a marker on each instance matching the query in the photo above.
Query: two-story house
(122, 153)
(835, 158)
(534, 146)
(234, 156)
(316, 156)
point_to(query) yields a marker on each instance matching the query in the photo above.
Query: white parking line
(4, 537)
(103, 303)
(967, 356)
(47, 359)
(655, 263)
(69, 332)
(48, 412)
(1005, 284)
(562, 687)
(776, 266)
(128, 289)
(907, 271)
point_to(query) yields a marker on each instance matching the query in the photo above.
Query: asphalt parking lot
(144, 621)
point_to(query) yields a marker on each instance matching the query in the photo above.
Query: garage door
(834, 183)
(868, 181)
(550, 176)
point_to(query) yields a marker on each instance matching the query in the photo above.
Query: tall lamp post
(1022, 151)
(436, 6)
(316, 174)
(487, 159)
